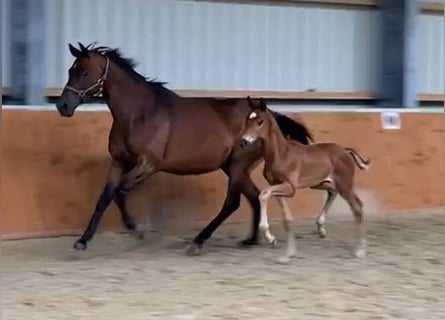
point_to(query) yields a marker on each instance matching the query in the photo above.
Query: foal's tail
(359, 161)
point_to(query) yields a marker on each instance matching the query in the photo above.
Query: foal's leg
(288, 220)
(278, 190)
(357, 208)
(332, 194)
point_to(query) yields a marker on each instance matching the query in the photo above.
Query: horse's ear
(76, 53)
(83, 49)
(263, 105)
(249, 101)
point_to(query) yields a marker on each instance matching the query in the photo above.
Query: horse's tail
(293, 129)
(359, 161)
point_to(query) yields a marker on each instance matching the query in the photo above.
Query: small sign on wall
(390, 120)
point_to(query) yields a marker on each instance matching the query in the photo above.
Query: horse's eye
(84, 73)
(260, 122)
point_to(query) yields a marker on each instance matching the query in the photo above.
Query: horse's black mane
(127, 64)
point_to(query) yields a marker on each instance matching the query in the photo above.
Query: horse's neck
(275, 145)
(126, 98)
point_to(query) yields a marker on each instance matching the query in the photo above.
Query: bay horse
(156, 130)
(290, 165)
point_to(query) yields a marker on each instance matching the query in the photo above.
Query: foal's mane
(128, 65)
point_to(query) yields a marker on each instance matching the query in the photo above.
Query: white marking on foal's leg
(264, 223)
(264, 227)
(361, 247)
(360, 251)
(357, 208)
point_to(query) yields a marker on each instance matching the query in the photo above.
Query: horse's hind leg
(251, 192)
(237, 169)
(357, 208)
(231, 203)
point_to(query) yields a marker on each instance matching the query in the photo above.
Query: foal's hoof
(322, 233)
(193, 249)
(360, 253)
(252, 241)
(273, 242)
(284, 260)
(80, 245)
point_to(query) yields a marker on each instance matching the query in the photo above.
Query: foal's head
(86, 78)
(257, 122)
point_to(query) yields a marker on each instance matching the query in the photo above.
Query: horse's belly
(197, 144)
(311, 177)
(198, 161)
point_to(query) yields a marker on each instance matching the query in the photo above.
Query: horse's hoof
(80, 245)
(193, 249)
(139, 232)
(253, 241)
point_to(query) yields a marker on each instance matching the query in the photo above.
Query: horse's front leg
(121, 200)
(105, 198)
(142, 171)
(117, 187)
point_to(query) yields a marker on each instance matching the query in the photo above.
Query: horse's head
(86, 78)
(257, 122)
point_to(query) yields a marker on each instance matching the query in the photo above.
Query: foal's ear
(76, 53)
(263, 105)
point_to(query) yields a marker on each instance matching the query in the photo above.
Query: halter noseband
(99, 83)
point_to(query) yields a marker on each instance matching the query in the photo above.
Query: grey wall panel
(431, 74)
(5, 42)
(203, 45)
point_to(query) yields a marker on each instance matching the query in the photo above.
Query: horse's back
(339, 157)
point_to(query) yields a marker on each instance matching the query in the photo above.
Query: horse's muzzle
(63, 109)
(245, 143)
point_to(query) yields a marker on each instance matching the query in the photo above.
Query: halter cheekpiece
(98, 84)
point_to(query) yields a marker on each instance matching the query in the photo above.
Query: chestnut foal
(290, 165)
